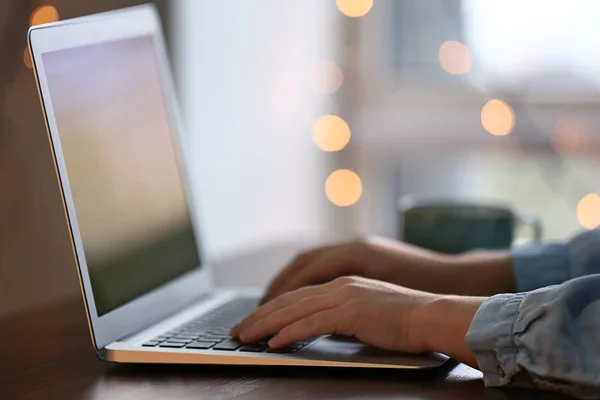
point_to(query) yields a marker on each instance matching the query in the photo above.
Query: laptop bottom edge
(141, 356)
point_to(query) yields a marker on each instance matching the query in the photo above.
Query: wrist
(443, 323)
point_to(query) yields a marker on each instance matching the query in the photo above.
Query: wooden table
(47, 354)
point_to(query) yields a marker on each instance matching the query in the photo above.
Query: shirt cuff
(490, 338)
(539, 266)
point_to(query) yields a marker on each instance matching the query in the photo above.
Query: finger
(290, 270)
(322, 270)
(333, 321)
(277, 304)
(276, 321)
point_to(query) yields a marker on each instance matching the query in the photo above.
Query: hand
(376, 258)
(398, 263)
(377, 313)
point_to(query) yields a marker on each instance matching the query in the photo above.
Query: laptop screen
(122, 167)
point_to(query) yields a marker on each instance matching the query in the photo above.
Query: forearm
(477, 274)
(482, 273)
(521, 269)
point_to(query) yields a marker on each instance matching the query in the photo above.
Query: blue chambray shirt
(547, 335)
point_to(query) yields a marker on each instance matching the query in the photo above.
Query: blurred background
(308, 120)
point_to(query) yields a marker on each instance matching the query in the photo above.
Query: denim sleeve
(548, 338)
(543, 265)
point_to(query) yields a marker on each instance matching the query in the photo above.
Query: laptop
(121, 163)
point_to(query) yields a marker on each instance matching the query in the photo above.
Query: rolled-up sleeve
(548, 338)
(548, 334)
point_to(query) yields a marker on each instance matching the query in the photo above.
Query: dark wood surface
(47, 354)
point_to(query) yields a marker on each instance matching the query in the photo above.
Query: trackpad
(343, 349)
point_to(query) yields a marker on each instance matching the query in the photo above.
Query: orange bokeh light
(354, 8)
(588, 211)
(325, 77)
(454, 57)
(331, 133)
(497, 117)
(343, 187)
(44, 15)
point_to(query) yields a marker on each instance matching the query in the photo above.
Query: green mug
(458, 226)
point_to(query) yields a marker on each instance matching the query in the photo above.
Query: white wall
(241, 70)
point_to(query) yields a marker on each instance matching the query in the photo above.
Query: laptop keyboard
(211, 332)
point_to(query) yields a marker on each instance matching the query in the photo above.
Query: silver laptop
(120, 159)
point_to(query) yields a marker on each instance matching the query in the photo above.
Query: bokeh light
(331, 133)
(27, 58)
(325, 77)
(497, 117)
(567, 137)
(343, 187)
(588, 211)
(454, 57)
(44, 15)
(354, 8)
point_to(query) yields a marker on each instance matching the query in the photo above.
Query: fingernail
(274, 341)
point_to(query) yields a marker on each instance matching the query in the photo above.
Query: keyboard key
(200, 345)
(172, 345)
(184, 341)
(254, 348)
(185, 337)
(285, 350)
(151, 343)
(215, 338)
(228, 345)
